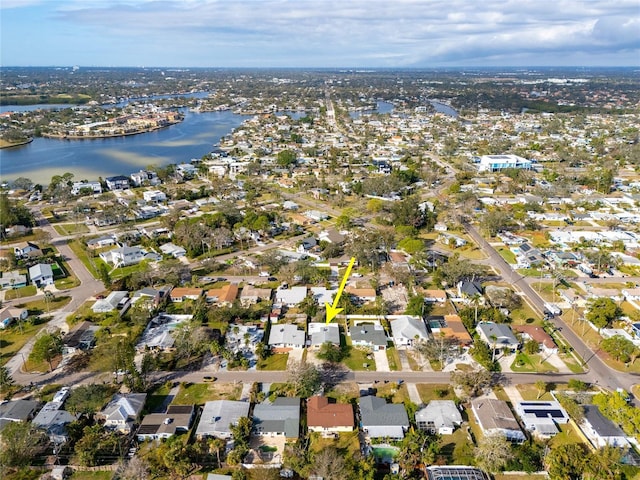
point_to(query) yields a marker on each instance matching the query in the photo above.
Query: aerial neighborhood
(358, 281)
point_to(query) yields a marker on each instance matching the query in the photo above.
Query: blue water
(443, 108)
(381, 107)
(90, 159)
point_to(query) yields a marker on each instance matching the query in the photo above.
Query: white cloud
(415, 32)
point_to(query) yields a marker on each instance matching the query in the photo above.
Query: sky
(320, 33)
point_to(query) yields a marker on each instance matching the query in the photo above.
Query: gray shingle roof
(283, 415)
(376, 411)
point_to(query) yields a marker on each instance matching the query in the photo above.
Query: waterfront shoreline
(19, 144)
(115, 135)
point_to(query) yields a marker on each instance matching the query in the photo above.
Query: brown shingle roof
(321, 413)
(537, 334)
(226, 294)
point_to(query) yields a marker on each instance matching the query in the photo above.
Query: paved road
(281, 376)
(599, 372)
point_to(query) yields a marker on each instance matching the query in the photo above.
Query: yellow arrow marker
(333, 310)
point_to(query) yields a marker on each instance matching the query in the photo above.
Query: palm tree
(494, 340)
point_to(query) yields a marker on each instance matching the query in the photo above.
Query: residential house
(115, 300)
(156, 295)
(123, 256)
(219, 416)
(291, 296)
(224, 296)
(494, 163)
(9, 315)
(13, 279)
(439, 416)
(541, 417)
(600, 430)
(495, 417)
(93, 187)
(307, 244)
(380, 419)
(118, 182)
(180, 294)
(41, 275)
(144, 177)
(408, 331)
(154, 196)
(280, 418)
(323, 295)
(469, 288)
(176, 419)
(537, 334)
(26, 250)
(332, 236)
(186, 170)
(435, 296)
(159, 332)
(17, 411)
(173, 250)
(451, 327)
(54, 421)
(368, 335)
(361, 295)
(325, 416)
(251, 295)
(284, 337)
(80, 337)
(321, 333)
(527, 256)
(451, 240)
(123, 411)
(398, 260)
(498, 336)
(99, 242)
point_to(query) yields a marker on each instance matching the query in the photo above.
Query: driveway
(295, 355)
(382, 362)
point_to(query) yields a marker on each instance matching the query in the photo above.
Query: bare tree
(328, 464)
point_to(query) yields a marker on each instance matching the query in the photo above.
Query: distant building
(494, 163)
(93, 187)
(118, 182)
(123, 256)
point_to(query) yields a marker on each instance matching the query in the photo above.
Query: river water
(90, 159)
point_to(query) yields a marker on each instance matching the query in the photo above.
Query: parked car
(208, 379)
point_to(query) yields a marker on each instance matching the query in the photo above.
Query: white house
(600, 430)
(123, 256)
(94, 187)
(494, 163)
(154, 196)
(291, 296)
(286, 336)
(41, 275)
(174, 250)
(439, 416)
(123, 411)
(407, 331)
(219, 416)
(495, 417)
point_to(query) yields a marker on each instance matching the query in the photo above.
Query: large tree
(304, 379)
(493, 452)
(329, 464)
(567, 461)
(602, 312)
(47, 347)
(21, 442)
(473, 382)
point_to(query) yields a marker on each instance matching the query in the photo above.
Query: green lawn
(21, 292)
(13, 339)
(39, 307)
(394, 359)
(357, 359)
(531, 363)
(277, 361)
(71, 228)
(84, 256)
(508, 255)
(200, 393)
(347, 443)
(435, 391)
